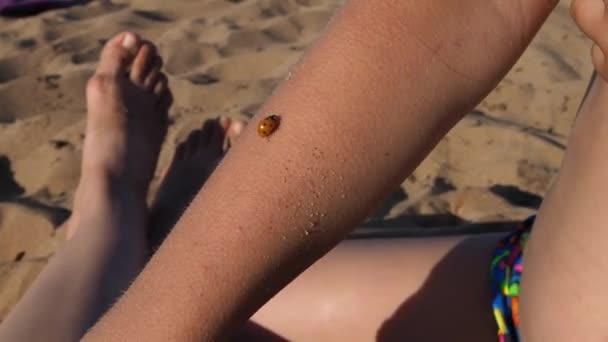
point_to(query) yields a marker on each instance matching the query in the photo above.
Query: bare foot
(128, 101)
(193, 162)
(592, 18)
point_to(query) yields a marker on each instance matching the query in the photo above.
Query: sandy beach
(225, 58)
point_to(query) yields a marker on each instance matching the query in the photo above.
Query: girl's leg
(564, 285)
(107, 246)
(389, 290)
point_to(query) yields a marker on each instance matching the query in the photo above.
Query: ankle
(101, 191)
(103, 198)
(113, 182)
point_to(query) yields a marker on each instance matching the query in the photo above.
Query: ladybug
(267, 126)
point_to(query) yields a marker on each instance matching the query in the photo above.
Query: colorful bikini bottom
(506, 269)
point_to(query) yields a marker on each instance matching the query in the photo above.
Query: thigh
(389, 289)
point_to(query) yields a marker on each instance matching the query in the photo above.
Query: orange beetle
(267, 126)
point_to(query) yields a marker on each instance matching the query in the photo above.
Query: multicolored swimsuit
(507, 267)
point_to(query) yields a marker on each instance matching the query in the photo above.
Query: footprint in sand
(535, 175)
(87, 56)
(26, 43)
(202, 79)
(253, 66)
(303, 26)
(45, 94)
(9, 188)
(246, 39)
(91, 10)
(183, 56)
(153, 15)
(283, 30)
(26, 229)
(11, 69)
(74, 44)
(274, 8)
(312, 21)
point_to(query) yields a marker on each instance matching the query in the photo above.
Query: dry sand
(224, 58)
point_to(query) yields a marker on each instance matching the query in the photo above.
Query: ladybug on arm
(268, 125)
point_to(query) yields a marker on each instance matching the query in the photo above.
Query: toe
(206, 132)
(212, 138)
(118, 54)
(234, 130)
(180, 151)
(225, 122)
(166, 99)
(218, 133)
(178, 156)
(162, 85)
(142, 65)
(154, 74)
(191, 144)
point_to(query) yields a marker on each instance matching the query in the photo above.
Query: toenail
(129, 41)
